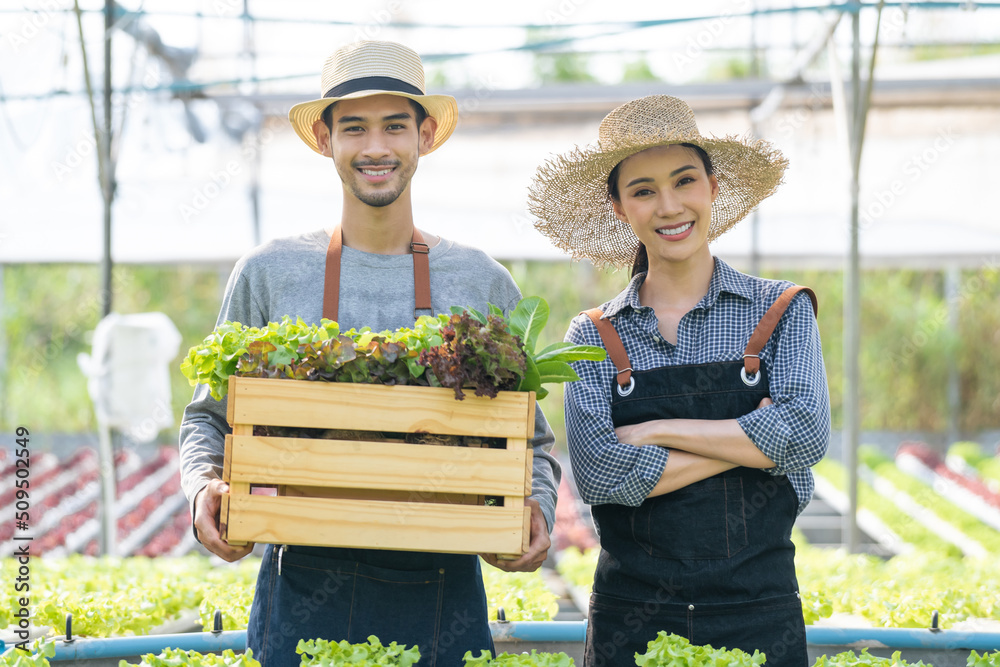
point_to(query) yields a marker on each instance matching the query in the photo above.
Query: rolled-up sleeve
(545, 469)
(794, 432)
(605, 469)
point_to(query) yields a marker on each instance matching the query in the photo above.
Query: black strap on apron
(421, 274)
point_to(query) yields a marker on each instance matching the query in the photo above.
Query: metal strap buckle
(754, 380)
(625, 391)
(426, 249)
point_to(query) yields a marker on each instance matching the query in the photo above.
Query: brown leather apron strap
(331, 280)
(751, 356)
(421, 274)
(613, 344)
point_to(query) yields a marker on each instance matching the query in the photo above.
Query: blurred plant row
(908, 344)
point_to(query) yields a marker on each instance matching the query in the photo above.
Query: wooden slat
(378, 525)
(239, 490)
(224, 520)
(528, 469)
(526, 530)
(516, 444)
(227, 461)
(293, 490)
(229, 402)
(223, 515)
(377, 465)
(367, 407)
(529, 432)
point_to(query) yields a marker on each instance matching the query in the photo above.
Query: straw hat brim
(569, 193)
(443, 108)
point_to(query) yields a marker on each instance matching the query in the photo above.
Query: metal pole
(852, 276)
(952, 280)
(755, 133)
(107, 184)
(106, 458)
(3, 350)
(250, 55)
(852, 300)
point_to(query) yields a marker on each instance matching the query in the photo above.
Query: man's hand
(538, 546)
(207, 505)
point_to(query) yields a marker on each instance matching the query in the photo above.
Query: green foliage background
(49, 310)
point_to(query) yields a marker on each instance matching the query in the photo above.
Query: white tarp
(128, 373)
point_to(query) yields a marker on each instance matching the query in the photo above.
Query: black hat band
(386, 83)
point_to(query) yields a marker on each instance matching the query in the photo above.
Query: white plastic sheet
(128, 373)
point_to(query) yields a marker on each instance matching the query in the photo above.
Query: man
(374, 121)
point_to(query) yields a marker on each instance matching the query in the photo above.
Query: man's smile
(376, 173)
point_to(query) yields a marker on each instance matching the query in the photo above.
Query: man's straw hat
(370, 68)
(569, 193)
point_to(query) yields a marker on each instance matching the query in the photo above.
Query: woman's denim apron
(712, 561)
(434, 601)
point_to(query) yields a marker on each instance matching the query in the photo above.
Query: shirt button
(690, 607)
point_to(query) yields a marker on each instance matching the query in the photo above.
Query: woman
(693, 441)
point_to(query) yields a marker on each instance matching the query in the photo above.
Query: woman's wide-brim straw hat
(569, 193)
(367, 68)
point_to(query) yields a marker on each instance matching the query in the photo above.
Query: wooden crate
(377, 494)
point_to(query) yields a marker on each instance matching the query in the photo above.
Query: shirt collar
(724, 279)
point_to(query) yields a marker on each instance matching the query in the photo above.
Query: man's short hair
(419, 114)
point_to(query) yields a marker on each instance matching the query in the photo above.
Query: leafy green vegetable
(577, 567)
(483, 355)
(524, 596)
(901, 523)
(528, 320)
(670, 650)
(38, 656)
(987, 466)
(552, 363)
(984, 660)
(463, 350)
(329, 653)
(173, 657)
(233, 600)
(533, 659)
(122, 596)
(848, 659)
(926, 496)
(217, 357)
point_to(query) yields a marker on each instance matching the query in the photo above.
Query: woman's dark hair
(419, 114)
(641, 261)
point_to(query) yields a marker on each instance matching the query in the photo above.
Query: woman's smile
(676, 232)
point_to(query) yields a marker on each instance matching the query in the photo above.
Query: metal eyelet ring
(749, 381)
(627, 390)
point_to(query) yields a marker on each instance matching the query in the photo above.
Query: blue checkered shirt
(793, 432)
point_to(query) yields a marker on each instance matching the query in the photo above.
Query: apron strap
(421, 274)
(751, 356)
(613, 344)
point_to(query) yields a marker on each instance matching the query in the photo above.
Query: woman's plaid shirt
(793, 432)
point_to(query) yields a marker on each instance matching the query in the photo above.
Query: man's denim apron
(712, 561)
(434, 601)
(431, 600)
